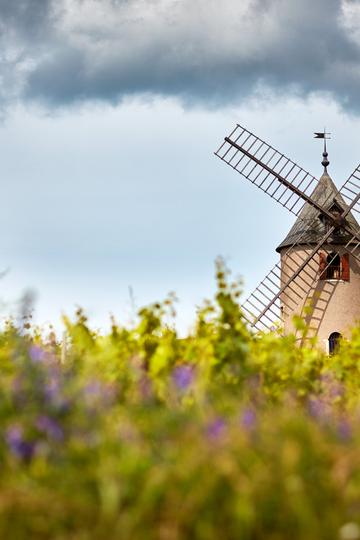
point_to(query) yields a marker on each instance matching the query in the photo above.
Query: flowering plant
(139, 434)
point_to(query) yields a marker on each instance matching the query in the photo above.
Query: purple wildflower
(248, 419)
(21, 448)
(37, 354)
(52, 388)
(317, 408)
(336, 390)
(344, 430)
(216, 428)
(333, 387)
(50, 426)
(54, 397)
(98, 393)
(183, 377)
(94, 388)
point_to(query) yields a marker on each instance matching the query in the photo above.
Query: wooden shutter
(345, 267)
(322, 265)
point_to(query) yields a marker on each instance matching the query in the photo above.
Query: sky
(110, 113)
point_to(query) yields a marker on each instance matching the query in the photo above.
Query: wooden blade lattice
(261, 172)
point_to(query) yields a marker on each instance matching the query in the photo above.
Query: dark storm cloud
(201, 51)
(28, 20)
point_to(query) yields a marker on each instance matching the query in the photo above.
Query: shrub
(139, 434)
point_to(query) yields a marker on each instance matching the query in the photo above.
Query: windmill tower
(318, 275)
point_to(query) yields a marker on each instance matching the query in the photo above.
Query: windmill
(318, 275)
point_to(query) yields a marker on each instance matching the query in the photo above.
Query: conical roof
(309, 228)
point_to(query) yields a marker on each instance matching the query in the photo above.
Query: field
(141, 435)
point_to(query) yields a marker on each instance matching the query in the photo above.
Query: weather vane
(324, 135)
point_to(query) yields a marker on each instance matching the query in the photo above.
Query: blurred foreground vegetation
(140, 435)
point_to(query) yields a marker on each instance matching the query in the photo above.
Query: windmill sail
(264, 166)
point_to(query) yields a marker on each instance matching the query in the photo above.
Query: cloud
(200, 51)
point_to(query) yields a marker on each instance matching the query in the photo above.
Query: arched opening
(333, 263)
(333, 266)
(334, 340)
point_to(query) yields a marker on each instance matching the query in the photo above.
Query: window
(333, 266)
(334, 340)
